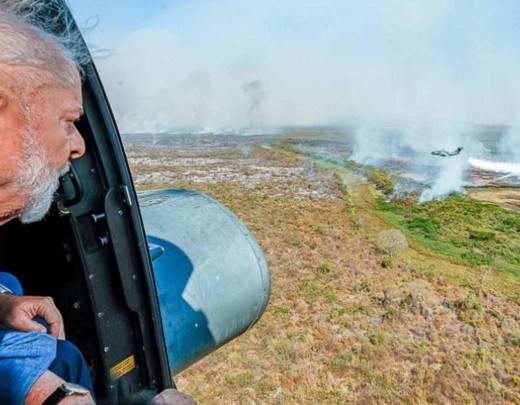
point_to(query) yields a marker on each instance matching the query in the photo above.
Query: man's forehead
(68, 99)
(36, 78)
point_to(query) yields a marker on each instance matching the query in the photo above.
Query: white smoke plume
(449, 179)
(412, 145)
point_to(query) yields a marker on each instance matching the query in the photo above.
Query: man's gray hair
(31, 37)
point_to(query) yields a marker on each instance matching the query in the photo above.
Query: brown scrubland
(357, 314)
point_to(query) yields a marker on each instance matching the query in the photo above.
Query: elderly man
(40, 99)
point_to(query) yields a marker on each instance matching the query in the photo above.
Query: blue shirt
(24, 357)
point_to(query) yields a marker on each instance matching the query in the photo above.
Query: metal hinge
(127, 199)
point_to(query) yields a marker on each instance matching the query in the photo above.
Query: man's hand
(173, 397)
(18, 312)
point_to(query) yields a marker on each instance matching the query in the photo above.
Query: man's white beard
(38, 179)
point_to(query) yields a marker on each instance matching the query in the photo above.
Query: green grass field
(462, 229)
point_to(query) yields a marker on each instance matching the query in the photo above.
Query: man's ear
(6, 93)
(4, 101)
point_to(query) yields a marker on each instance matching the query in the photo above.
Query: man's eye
(71, 128)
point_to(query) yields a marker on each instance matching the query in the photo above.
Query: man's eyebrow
(78, 110)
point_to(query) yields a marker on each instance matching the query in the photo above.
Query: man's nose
(77, 145)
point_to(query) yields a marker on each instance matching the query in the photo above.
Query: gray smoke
(412, 75)
(255, 96)
(383, 63)
(509, 145)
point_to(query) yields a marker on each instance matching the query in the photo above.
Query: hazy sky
(217, 64)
